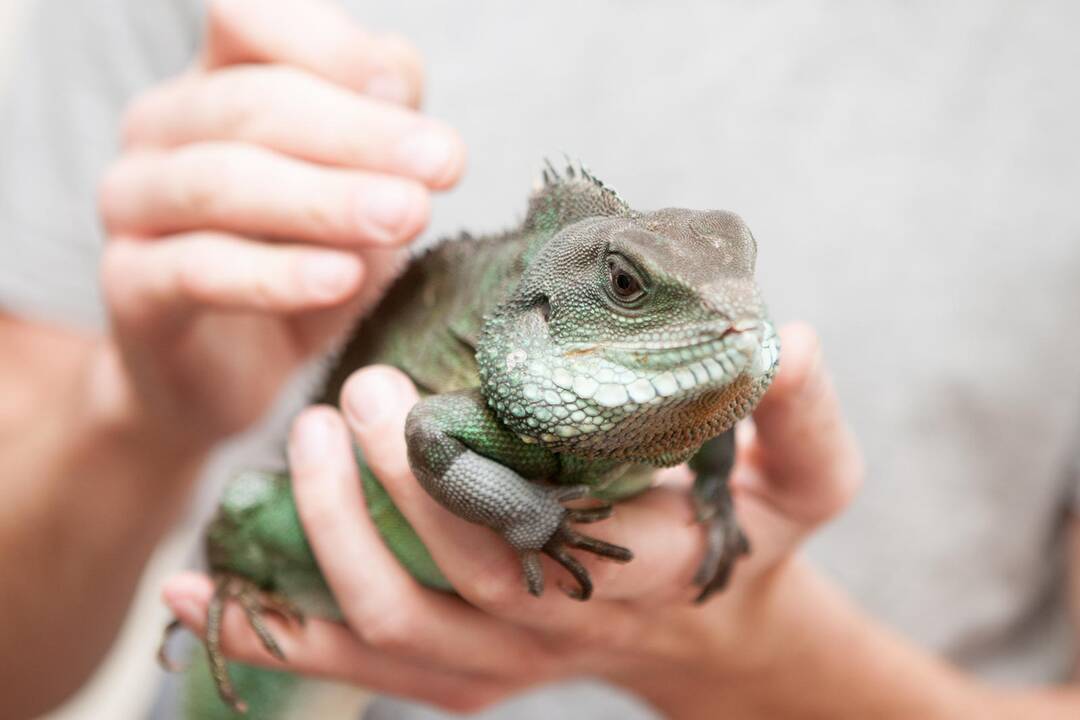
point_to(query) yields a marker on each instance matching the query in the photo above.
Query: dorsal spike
(569, 171)
(569, 196)
(551, 168)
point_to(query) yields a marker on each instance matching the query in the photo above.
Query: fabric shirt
(910, 171)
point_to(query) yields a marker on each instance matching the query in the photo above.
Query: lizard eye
(625, 285)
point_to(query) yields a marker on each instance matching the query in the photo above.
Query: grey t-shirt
(910, 172)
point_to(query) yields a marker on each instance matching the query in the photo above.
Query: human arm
(782, 641)
(102, 433)
(86, 497)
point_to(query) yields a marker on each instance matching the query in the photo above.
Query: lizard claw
(566, 537)
(725, 544)
(255, 604)
(163, 658)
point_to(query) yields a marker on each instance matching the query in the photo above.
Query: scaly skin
(564, 359)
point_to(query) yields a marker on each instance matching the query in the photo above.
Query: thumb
(810, 463)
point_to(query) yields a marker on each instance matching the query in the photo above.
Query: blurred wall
(11, 14)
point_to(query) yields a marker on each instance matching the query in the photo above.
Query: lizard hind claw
(555, 548)
(590, 515)
(584, 588)
(255, 604)
(167, 663)
(606, 550)
(563, 538)
(534, 573)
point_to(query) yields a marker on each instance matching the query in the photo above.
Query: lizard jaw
(589, 401)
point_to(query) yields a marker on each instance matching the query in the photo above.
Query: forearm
(841, 664)
(87, 496)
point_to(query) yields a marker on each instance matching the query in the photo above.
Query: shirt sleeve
(77, 64)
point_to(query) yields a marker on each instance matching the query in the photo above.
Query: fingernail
(390, 87)
(309, 442)
(386, 205)
(328, 277)
(427, 154)
(369, 399)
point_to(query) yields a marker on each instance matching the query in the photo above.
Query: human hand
(798, 468)
(259, 205)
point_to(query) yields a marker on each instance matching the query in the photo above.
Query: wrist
(791, 644)
(695, 660)
(111, 428)
(114, 414)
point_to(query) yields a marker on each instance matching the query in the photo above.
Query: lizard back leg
(726, 542)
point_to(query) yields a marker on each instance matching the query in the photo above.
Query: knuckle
(192, 279)
(204, 175)
(392, 630)
(496, 592)
(265, 291)
(324, 219)
(244, 98)
(238, 97)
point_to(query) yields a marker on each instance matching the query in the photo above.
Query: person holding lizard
(105, 430)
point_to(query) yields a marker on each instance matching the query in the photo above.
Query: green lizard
(564, 359)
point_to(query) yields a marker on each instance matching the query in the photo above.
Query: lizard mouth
(702, 336)
(700, 359)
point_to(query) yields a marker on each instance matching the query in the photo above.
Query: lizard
(566, 358)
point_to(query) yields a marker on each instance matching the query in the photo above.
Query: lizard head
(632, 336)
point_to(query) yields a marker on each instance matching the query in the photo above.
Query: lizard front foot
(255, 604)
(713, 505)
(565, 537)
(725, 544)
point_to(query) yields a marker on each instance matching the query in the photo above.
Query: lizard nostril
(545, 307)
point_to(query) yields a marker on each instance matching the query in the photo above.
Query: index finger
(315, 35)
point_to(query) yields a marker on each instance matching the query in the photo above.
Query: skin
(765, 647)
(220, 258)
(102, 436)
